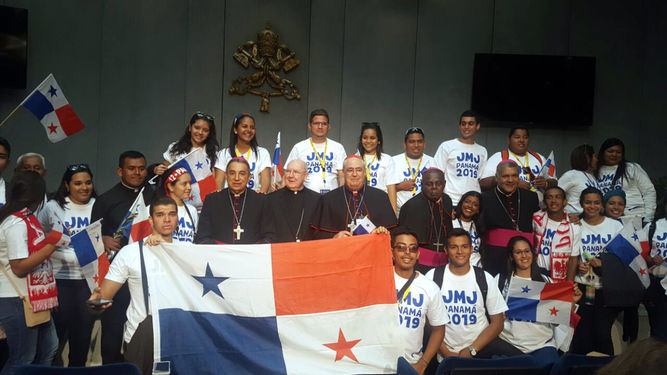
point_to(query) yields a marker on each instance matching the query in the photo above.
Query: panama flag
(536, 301)
(199, 168)
(277, 170)
(316, 307)
(48, 103)
(628, 246)
(135, 225)
(549, 168)
(89, 250)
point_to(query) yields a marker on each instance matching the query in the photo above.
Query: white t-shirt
(2, 192)
(126, 267)
(335, 155)
(593, 239)
(466, 309)
(475, 257)
(75, 217)
(659, 243)
(574, 182)
(402, 172)
(378, 170)
(534, 164)
(258, 162)
(554, 247)
(422, 300)
(463, 165)
(527, 336)
(640, 192)
(13, 245)
(187, 224)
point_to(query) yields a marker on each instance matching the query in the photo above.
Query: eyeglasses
(78, 168)
(294, 172)
(203, 115)
(353, 170)
(320, 124)
(522, 252)
(402, 248)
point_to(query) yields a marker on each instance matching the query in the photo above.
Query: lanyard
(527, 165)
(322, 162)
(368, 168)
(238, 153)
(416, 173)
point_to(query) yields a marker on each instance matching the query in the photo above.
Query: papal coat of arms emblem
(268, 57)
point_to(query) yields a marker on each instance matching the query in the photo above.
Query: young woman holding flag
(176, 184)
(243, 143)
(69, 211)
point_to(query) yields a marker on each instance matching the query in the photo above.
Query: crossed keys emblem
(269, 58)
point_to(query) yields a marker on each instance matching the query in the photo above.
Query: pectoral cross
(352, 225)
(437, 246)
(238, 230)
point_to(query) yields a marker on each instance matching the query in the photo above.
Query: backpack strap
(439, 275)
(144, 280)
(536, 155)
(483, 286)
(504, 154)
(651, 232)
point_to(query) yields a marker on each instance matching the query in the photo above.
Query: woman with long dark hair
(243, 143)
(614, 172)
(27, 273)
(532, 338)
(376, 162)
(468, 217)
(70, 208)
(583, 162)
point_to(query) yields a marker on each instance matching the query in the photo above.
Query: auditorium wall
(135, 71)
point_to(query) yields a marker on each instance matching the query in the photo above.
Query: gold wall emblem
(268, 58)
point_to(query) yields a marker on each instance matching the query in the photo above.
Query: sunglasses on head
(203, 115)
(78, 168)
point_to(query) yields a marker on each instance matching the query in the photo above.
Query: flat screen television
(13, 47)
(540, 90)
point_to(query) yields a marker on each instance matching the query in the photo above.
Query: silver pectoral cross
(437, 246)
(352, 225)
(238, 230)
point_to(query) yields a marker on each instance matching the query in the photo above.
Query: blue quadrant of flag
(38, 105)
(522, 309)
(83, 248)
(225, 344)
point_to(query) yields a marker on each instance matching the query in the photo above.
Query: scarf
(561, 244)
(42, 292)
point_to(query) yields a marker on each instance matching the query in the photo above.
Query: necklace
(353, 223)
(440, 228)
(321, 160)
(237, 219)
(515, 223)
(413, 173)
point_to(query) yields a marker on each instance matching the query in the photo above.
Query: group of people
(463, 225)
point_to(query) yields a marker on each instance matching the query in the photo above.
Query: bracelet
(422, 359)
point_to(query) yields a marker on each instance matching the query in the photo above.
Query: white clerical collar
(239, 194)
(136, 190)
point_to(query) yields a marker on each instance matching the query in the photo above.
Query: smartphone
(96, 303)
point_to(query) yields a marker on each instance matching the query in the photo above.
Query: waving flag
(135, 225)
(89, 250)
(316, 307)
(203, 182)
(628, 246)
(537, 301)
(277, 170)
(549, 168)
(48, 103)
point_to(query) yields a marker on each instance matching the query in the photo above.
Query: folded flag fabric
(317, 307)
(549, 168)
(277, 170)
(135, 225)
(627, 245)
(48, 103)
(538, 301)
(87, 243)
(203, 181)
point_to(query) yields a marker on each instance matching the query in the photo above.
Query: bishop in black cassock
(429, 215)
(232, 215)
(508, 212)
(289, 211)
(341, 208)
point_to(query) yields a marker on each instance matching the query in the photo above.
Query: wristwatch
(472, 350)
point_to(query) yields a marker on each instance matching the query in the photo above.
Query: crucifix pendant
(238, 230)
(437, 246)
(352, 224)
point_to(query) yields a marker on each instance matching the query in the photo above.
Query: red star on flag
(52, 128)
(553, 310)
(642, 271)
(343, 347)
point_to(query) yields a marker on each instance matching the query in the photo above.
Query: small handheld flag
(277, 167)
(48, 103)
(135, 225)
(537, 301)
(549, 168)
(202, 179)
(627, 245)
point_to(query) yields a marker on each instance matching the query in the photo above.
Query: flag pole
(10, 115)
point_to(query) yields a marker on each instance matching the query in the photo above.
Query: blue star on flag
(209, 282)
(525, 289)
(97, 238)
(199, 165)
(52, 91)
(635, 237)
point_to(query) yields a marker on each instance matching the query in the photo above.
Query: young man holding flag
(112, 207)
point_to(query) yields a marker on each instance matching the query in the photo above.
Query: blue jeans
(27, 345)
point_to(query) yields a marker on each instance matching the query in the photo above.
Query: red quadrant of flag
(304, 285)
(561, 291)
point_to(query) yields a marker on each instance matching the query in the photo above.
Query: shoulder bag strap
(144, 280)
(405, 287)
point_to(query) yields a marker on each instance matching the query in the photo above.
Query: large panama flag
(316, 307)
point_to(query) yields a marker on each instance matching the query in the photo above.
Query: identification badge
(364, 226)
(324, 191)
